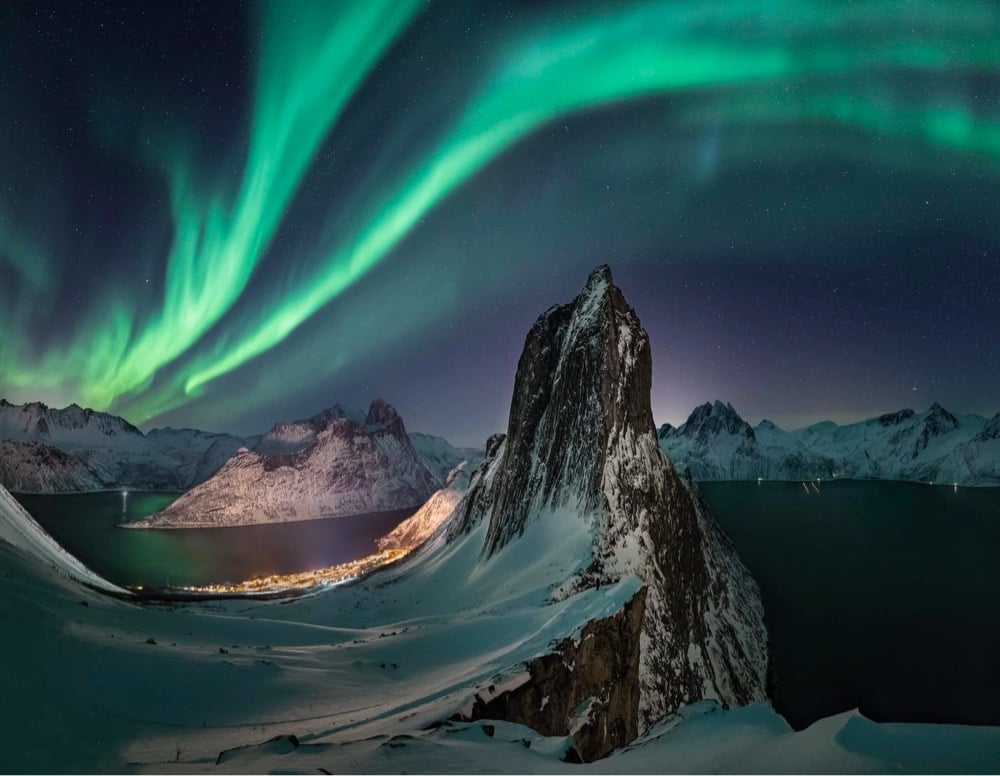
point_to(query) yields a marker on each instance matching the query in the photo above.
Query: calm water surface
(86, 525)
(882, 596)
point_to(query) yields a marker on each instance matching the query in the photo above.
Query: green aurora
(758, 64)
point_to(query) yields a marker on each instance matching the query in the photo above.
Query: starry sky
(220, 215)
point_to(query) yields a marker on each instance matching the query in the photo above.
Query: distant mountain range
(49, 450)
(935, 446)
(77, 450)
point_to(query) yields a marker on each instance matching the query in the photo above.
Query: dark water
(86, 526)
(881, 596)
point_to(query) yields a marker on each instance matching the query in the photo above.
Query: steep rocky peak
(383, 416)
(581, 451)
(583, 381)
(938, 420)
(714, 418)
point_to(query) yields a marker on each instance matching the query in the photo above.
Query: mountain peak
(581, 458)
(599, 280)
(715, 418)
(381, 413)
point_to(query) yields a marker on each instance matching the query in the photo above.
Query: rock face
(932, 446)
(587, 688)
(331, 466)
(581, 441)
(31, 467)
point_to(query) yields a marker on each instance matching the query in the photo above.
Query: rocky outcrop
(587, 687)
(581, 442)
(334, 466)
(31, 467)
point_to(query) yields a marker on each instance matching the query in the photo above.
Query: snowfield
(363, 677)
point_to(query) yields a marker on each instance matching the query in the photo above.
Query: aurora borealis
(220, 215)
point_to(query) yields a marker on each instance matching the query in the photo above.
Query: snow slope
(363, 676)
(20, 531)
(933, 446)
(417, 529)
(334, 466)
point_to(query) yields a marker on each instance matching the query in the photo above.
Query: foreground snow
(103, 685)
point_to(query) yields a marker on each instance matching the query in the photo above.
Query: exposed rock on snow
(581, 448)
(587, 688)
(933, 446)
(336, 467)
(31, 467)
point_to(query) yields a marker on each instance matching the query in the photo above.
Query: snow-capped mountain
(331, 465)
(933, 446)
(580, 461)
(68, 428)
(440, 456)
(73, 449)
(717, 444)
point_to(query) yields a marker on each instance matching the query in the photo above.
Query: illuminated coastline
(301, 582)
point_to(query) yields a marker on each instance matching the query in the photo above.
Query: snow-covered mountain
(52, 450)
(418, 528)
(327, 466)
(717, 444)
(581, 459)
(440, 456)
(933, 446)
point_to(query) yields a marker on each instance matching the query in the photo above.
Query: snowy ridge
(339, 467)
(933, 446)
(439, 507)
(75, 449)
(440, 456)
(70, 427)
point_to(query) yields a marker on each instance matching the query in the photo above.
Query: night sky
(220, 215)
